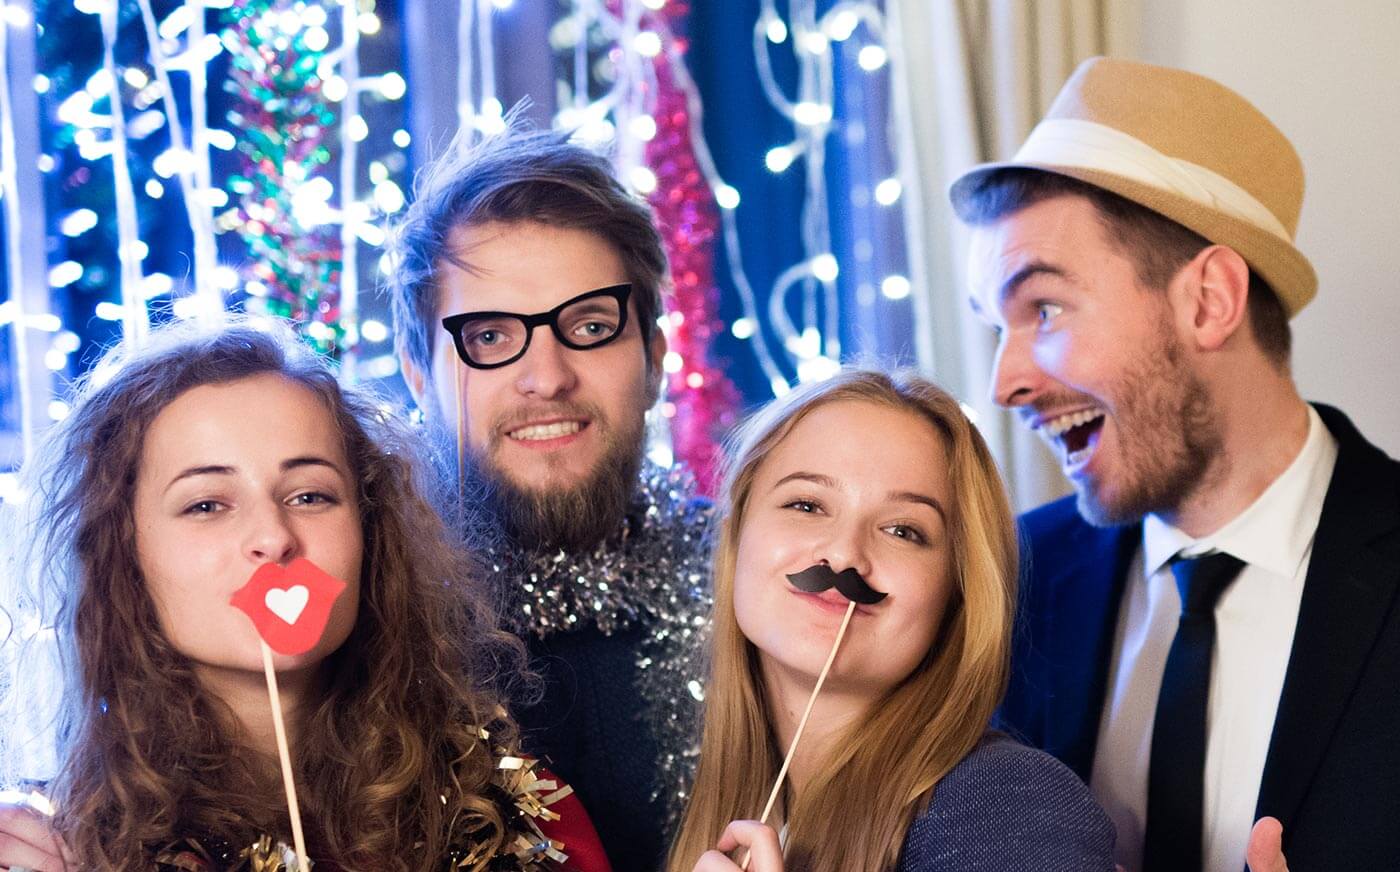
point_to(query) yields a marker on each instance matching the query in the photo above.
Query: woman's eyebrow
(310, 460)
(915, 497)
(813, 477)
(200, 470)
(287, 465)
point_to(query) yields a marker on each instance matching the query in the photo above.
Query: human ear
(414, 376)
(1216, 292)
(656, 373)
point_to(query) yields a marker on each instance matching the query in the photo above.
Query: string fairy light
(23, 249)
(135, 320)
(193, 170)
(348, 63)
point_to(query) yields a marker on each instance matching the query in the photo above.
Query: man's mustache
(850, 584)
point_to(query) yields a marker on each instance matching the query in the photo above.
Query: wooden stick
(802, 724)
(286, 757)
(461, 436)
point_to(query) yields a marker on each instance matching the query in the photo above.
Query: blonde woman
(885, 475)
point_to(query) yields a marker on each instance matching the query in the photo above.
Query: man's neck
(1264, 429)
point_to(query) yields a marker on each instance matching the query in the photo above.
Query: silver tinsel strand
(653, 572)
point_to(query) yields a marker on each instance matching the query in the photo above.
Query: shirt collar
(1276, 531)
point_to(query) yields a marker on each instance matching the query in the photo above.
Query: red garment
(575, 829)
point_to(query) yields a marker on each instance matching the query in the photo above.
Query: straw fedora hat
(1185, 147)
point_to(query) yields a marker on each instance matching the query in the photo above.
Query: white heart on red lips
(287, 604)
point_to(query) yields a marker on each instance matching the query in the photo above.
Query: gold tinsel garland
(525, 848)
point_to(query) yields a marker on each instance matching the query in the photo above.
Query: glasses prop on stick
(817, 579)
(290, 607)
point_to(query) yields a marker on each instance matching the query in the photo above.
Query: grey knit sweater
(1009, 808)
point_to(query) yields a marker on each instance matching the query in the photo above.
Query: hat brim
(1279, 262)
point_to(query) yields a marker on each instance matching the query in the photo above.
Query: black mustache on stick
(850, 584)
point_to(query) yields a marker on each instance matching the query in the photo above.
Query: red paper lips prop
(290, 605)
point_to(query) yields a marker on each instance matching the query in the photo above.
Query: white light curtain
(974, 76)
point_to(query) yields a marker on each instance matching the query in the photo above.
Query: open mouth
(1077, 434)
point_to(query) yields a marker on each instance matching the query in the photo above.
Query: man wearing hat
(1211, 625)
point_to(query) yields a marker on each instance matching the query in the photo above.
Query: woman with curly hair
(184, 466)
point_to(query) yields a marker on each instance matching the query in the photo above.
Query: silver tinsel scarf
(654, 571)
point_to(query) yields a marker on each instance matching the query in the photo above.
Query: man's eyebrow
(287, 465)
(923, 499)
(1012, 285)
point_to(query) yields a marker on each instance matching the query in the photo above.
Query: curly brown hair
(392, 766)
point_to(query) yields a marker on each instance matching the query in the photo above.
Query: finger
(714, 861)
(764, 851)
(16, 852)
(1265, 853)
(24, 833)
(22, 823)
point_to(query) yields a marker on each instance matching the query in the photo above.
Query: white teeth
(1055, 426)
(1074, 458)
(536, 432)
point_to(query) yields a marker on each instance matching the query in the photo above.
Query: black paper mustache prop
(850, 584)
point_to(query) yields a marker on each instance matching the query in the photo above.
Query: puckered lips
(1075, 434)
(290, 605)
(834, 591)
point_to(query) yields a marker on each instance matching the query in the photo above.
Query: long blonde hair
(882, 772)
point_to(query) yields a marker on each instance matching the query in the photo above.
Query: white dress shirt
(1254, 624)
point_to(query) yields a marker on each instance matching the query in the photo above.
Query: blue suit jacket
(1332, 774)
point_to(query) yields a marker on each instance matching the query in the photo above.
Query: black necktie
(1176, 774)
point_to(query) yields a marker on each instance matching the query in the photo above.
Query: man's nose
(1016, 377)
(547, 369)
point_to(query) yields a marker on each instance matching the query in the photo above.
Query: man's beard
(1167, 438)
(554, 517)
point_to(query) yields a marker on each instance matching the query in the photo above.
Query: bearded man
(1212, 624)
(526, 294)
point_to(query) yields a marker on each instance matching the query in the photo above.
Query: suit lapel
(1349, 590)
(1087, 590)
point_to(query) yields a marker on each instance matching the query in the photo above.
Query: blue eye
(1046, 312)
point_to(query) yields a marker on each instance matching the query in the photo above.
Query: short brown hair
(1157, 245)
(521, 175)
